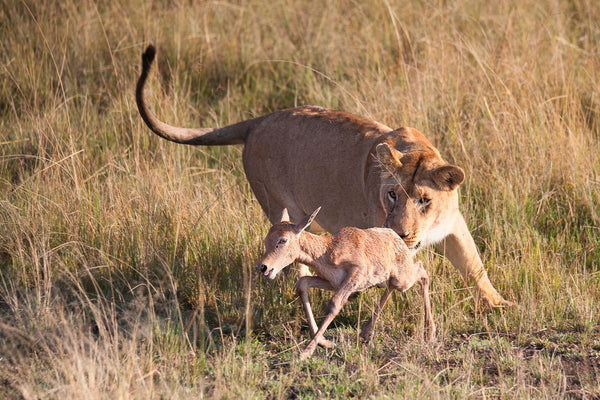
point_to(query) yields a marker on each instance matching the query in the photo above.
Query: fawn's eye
(281, 242)
(392, 196)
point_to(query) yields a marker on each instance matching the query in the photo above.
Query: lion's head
(417, 191)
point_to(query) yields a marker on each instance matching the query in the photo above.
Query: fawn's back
(377, 253)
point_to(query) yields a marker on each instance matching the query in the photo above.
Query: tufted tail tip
(148, 56)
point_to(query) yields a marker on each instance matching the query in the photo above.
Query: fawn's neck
(312, 248)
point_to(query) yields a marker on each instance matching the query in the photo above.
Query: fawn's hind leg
(413, 274)
(429, 322)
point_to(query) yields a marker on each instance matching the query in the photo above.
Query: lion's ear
(388, 156)
(448, 177)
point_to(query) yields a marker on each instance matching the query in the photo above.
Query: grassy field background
(127, 262)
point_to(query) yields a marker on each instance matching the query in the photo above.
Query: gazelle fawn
(350, 261)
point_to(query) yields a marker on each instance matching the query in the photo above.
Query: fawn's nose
(263, 268)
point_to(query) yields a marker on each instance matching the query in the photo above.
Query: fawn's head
(282, 246)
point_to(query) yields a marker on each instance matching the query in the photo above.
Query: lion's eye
(424, 203)
(392, 195)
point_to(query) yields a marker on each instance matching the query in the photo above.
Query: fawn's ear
(306, 221)
(285, 217)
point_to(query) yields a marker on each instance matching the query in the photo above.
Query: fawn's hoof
(430, 338)
(366, 333)
(430, 334)
(308, 351)
(327, 344)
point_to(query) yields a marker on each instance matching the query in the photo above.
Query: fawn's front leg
(333, 308)
(302, 286)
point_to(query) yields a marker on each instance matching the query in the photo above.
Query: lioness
(361, 172)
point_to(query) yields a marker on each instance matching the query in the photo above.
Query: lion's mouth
(410, 242)
(416, 246)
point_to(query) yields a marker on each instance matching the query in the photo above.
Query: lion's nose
(263, 268)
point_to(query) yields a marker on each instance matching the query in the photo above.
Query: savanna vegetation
(127, 262)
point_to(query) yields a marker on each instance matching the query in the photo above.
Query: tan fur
(363, 173)
(350, 261)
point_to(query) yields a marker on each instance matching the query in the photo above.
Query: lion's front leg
(460, 249)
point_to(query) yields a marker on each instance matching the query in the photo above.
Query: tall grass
(127, 262)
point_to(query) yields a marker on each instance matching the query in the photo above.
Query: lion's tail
(232, 134)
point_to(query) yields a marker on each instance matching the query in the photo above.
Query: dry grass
(127, 262)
